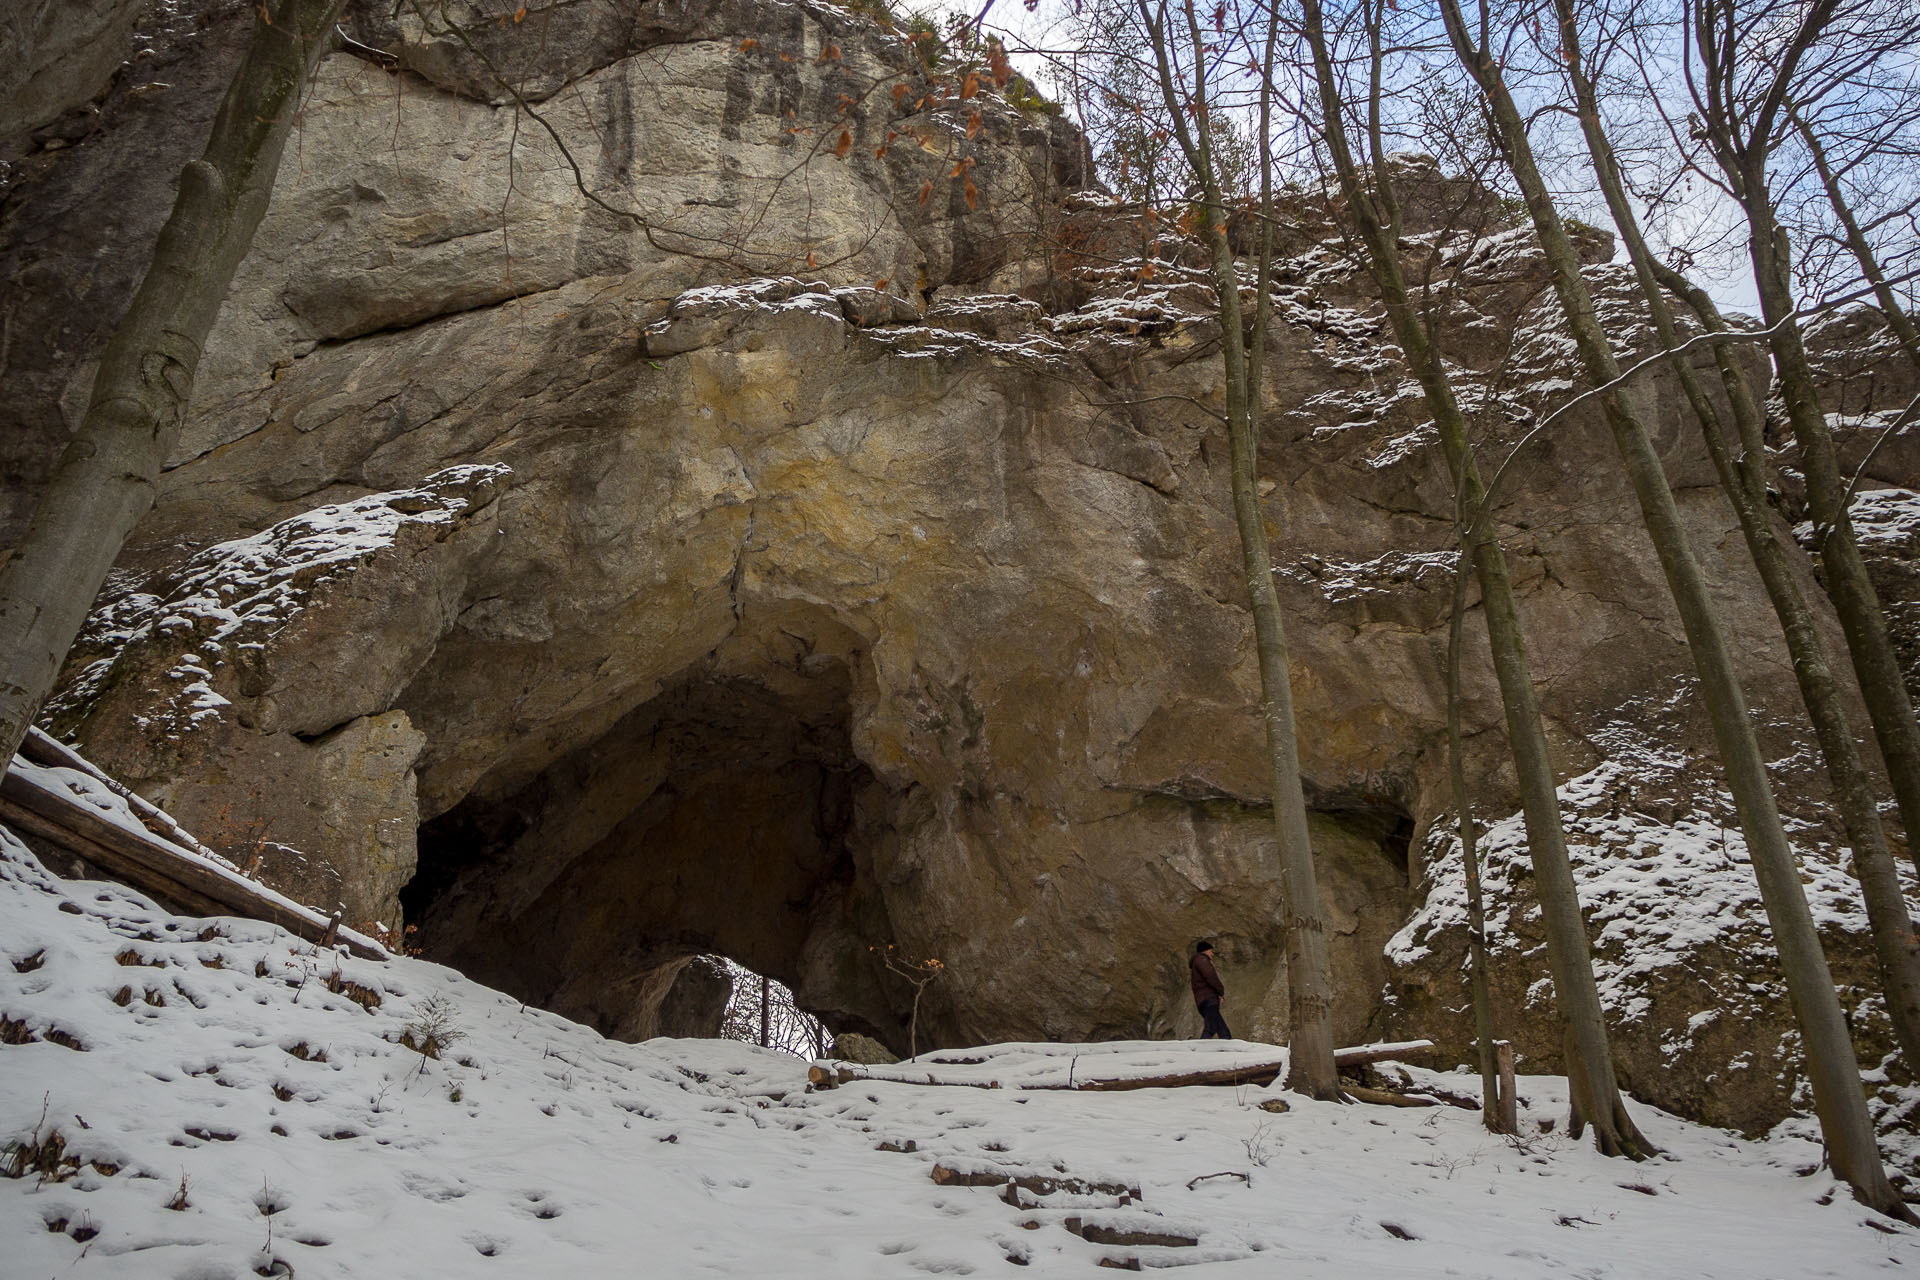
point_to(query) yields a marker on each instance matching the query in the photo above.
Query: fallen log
(1129, 1237)
(1260, 1073)
(158, 866)
(1037, 1184)
(1381, 1052)
(107, 859)
(42, 748)
(1383, 1098)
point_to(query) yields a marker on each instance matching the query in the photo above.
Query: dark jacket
(1205, 982)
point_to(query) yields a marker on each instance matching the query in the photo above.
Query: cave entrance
(728, 815)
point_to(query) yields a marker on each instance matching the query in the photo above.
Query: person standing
(1207, 991)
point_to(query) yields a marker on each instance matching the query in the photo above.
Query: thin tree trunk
(1897, 318)
(1596, 1095)
(1875, 665)
(766, 1012)
(1490, 1113)
(1831, 1065)
(1311, 1067)
(1895, 946)
(105, 481)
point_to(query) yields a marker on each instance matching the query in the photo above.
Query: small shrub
(434, 1029)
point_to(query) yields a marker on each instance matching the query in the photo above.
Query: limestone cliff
(711, 537)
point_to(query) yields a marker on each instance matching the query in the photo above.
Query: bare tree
(1373, 206)
(1181, 66)
(105, 481)
(1740, 465)
(1746, 68)
(1834, 1072)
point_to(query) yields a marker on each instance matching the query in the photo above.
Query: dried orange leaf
(926, 189)
(997, 63)
(749, 44)
(969, 86)
(973, 125)
(844, 145)
(520, 14)
(971, 193)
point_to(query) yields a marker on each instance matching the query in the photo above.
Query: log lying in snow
(1381, 1052)
(1101, 1233)
(160, 867)
(42, 748)
(1382, 1098)
(1038, 1184)
(828, 1075)
(1260, 1073)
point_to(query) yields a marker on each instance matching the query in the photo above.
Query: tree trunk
(1569, 958)
(1895, 946)
(1875, 666)
(105, 481)
(1470, 863)
(1309, 976)
(1831, 1065)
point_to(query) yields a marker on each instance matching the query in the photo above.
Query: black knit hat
(1203, 946)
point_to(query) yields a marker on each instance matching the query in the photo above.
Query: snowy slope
(312, 1142)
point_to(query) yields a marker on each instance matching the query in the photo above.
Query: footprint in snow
(428, 1187)
(487, 1246)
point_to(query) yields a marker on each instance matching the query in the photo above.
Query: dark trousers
(1216, 1026)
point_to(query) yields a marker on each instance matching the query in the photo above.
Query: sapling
(919, 973)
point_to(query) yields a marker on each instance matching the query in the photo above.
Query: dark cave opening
(725, 816)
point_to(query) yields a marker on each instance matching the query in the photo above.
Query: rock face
(813, 537)
(61, 53)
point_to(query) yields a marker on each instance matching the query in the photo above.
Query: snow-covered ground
(229, 1108)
